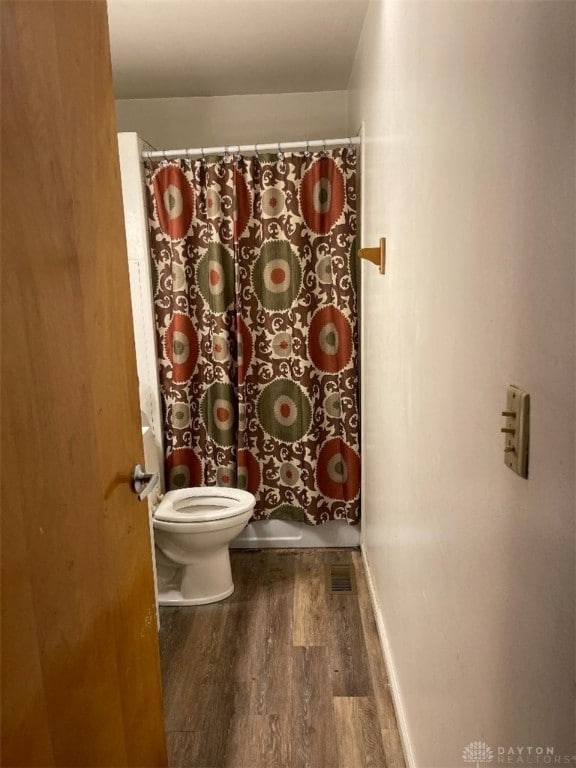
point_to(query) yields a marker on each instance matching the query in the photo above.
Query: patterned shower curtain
(256, 314)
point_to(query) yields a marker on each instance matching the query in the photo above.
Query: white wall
(219, 120)
(469, 173)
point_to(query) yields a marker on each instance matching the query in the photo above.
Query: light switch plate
(517, 430)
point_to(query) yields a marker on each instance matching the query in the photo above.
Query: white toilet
(192, 530)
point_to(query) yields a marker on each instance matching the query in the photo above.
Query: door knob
(142, 482)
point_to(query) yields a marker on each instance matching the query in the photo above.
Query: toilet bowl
(192, 530)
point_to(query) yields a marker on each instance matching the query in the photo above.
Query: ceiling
(167, 48)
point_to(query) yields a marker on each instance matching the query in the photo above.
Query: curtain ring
(203, 158)
(280, 153)
(324, 147)
(307, 153)
(350, 147)
(256, 151)
(164, 155)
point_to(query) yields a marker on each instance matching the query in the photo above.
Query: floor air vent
(340, 578)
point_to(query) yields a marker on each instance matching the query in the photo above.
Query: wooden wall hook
(375, 255)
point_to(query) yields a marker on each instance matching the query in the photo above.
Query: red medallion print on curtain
(255, 303)
(174, 201)
(322, 196)
(181, 347)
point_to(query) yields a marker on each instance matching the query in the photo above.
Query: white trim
(390, 666)
(137, 239)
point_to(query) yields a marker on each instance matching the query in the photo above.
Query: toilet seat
(203, 505)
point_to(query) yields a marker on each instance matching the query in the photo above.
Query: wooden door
(80, 666)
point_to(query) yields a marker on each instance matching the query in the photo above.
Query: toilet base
(207, 579)
(174, 597)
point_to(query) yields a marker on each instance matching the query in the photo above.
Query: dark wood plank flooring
(282, 674)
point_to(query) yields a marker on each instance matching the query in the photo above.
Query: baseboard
(390, 666)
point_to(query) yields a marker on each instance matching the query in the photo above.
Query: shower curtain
(255, 306)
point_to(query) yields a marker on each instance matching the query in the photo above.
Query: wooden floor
(282, 674)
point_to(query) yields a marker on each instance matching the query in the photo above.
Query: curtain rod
(279, 146)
